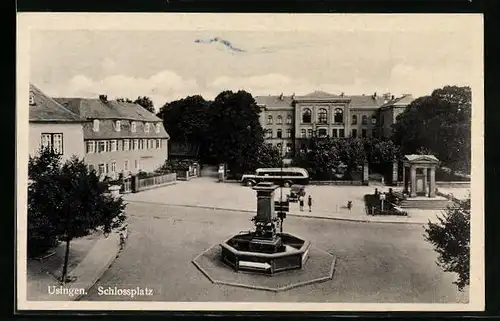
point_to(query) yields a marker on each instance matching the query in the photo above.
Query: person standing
(301, 202)
(309, 202)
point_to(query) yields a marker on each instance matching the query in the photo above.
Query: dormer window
(157, 128)
(96, 125)
(32, 99)
(146, 127)
(118, 125)
(132, 127)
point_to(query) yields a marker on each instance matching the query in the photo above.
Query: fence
(141, 184)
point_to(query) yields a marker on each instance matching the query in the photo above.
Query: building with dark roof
(290, 121)
(51, 125)
(119, 136)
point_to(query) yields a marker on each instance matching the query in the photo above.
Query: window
(322, 116)
(374, 120)
(303, 133)
(303, 148)
(108, 145)
(91, 168)
(113, 167)
(334, 132)
(120, 145)
(135, 145)
(338, 117)
(133, 127)
(363, 133)
(322, 132)
(53, 141)
(306, 116)
(126, 144)
(106, 168)
(90, 147)
(32, 99)
(289, 119)
(144, 144)
(309, 133)
(125, 165)
(364, 120)
(354, 133)
(341, 132)
(270, 120)
(158, 143)
(374, 133)
(151, 143)
(95, 125)
(157, 127)
(113, 145)
(146, 127)
(102, 146)
(269, 133)
(118, 126)
(101, 169)
(141, 142)
(279, 146)
(354, 119)
(289, 147)
(288, 133)
(278, 133)
(279, 120)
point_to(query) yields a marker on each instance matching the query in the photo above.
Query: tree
(124, 100)
(269, 156)
(451, 240)
(235, 133)
(145, 102)
(67, 201)
(440, 124)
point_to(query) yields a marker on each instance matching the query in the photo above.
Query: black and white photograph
(287, 162)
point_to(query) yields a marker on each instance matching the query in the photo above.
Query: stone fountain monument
(272, 260)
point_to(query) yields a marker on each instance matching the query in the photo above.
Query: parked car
(285, 177)
(295, 192)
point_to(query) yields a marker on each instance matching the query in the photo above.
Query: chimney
(392, 97)
(281, 96)
(342, 94)
(293, 96)
(103, 98)
(374, 95)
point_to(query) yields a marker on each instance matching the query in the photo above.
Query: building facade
(53, 126)
(289, 122)
(119, 137)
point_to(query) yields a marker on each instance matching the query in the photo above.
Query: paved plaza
(328, 201)
(376, 262)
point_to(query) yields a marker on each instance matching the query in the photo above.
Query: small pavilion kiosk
(419, 175)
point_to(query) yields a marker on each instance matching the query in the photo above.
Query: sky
(171, 64)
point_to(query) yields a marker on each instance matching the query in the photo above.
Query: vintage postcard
(302, 162)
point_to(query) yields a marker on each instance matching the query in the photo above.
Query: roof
(402, 101)
(47, 109)
(107, 131)
(355, 101)
(92, 108)
(274, 101)
(421, 158)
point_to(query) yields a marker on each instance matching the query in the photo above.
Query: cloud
(160, 87)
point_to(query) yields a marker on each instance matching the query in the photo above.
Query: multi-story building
(119, 136)
(52, 125)
(290, 122)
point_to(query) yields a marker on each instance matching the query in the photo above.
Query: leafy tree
(235, 133)
(67, 201)
(451, 240)
(145, 102)
(440, 124)
(269, 156)
(124, 100)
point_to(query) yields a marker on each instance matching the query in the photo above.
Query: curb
(102, 270)
(360, 220)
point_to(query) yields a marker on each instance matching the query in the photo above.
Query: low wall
(453, 184)
(351, 183)
(142, 184)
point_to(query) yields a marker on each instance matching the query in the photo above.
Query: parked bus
(285, 177)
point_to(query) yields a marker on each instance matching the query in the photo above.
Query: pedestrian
(301, 202)
(309, 202)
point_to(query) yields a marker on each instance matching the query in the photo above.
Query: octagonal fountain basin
(290, 253)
